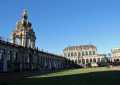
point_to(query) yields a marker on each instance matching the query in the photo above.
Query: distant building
(115, 54)
(83, 54)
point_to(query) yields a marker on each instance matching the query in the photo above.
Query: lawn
(73, 72)
(86, 76)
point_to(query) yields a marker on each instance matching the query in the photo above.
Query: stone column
(5, 62)
(13, 39)
(20, 40)
(85, 61)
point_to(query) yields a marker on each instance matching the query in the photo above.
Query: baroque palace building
(83, 54)
(21, 55)
(115, 55)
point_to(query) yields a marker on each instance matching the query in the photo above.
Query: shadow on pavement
(94, 78)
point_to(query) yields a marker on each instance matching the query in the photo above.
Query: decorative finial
(25, 14)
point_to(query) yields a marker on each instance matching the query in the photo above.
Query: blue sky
(61, 23)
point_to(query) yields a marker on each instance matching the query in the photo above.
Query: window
(87, 61)
(75, 54)
(71, 54)
(90, 53)
(68, 54)
(93, 52)
(28, 59)
(10, 55)
(75, 61)
(86, 53)
(83, 61)
(82, 53)
(14, 57)
(79, 61)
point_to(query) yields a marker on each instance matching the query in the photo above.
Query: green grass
(73, 72)
(86, 76)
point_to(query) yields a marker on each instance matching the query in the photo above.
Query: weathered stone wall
(18, 58)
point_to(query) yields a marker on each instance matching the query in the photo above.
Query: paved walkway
(117, 68)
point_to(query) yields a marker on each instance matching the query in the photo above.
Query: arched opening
(90, 60)
(87, 61)
(94, 60)
(83, 61)
(18, 41)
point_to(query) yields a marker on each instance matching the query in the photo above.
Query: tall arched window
(68, 54)
(75, 54)
(83, 61)
(93, 52)
(86, 53)
(90, 53)
(79, 61)
(83, 53)
(71, 53)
